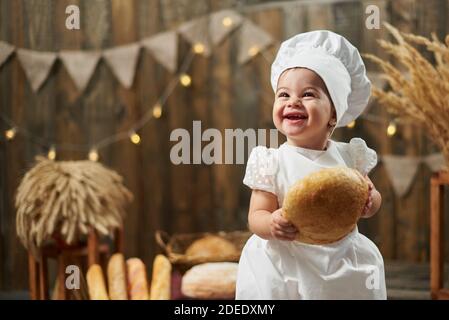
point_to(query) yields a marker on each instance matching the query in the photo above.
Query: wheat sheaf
(421, 93)
(66, 199)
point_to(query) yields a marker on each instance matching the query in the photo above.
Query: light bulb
(157, 111)
(10, 133)
(351, 124)
(391, 129)
(185, 80)
(254, 50)
(198, 48)
(135, 138)
(227, 22)
(93, 155)
(51, 153)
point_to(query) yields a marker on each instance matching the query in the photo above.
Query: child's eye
(309, 94)
(283, 94)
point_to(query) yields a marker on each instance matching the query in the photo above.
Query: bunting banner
(5, 51)
(80, 65)
(37, 66)
(252, 41)
(164, 48)
(208, 31)
(401, 171)
(122, 61)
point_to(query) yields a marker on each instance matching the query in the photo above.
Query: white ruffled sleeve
(261, 169)
(363, 158)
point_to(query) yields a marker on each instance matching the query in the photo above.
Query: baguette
(160, 282)
(117, 277)
(137, 279)
(96, 284)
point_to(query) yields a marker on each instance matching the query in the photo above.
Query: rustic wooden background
(189, 198)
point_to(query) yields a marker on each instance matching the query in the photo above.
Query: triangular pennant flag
(37, 65)
(222, 23)
(5, 51)
(402, 171)
(435, 161)
(123, 60)
(164, 47)
(197, 32)
(252, 41)
(80, 65)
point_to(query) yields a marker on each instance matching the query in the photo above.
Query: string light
(254, 50)
(351, 124)
(51, 153)
(135, 138)
(227, 22)
(199, 48)
(391, 129)
(10, 133)
(185, 80)
(157, 111)
(93, 155)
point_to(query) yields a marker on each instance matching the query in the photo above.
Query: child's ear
(334, 113)
(333, 119)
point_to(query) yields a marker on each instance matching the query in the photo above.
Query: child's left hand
(369, 201)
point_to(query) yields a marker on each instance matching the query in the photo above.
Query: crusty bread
(137, 279)
(211, 246)
(214, 280)
(161, 279)
(96, 284)
(326, 205)
(117, 277)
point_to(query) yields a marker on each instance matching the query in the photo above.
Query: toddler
(320, 83)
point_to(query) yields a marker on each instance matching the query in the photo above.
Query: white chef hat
(336, 61)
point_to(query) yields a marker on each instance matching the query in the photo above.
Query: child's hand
(369, 201)
(281, 228)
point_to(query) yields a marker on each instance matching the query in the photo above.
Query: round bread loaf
(326, 205)
(211, 246)
(214, 280)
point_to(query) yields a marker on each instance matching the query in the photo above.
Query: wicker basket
(176, 246)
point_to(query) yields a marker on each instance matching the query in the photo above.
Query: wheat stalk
(68, 198)
(422, 93)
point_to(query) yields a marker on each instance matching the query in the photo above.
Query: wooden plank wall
(224, 94)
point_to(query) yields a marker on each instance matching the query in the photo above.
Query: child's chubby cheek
(277, 118)
(290, 121)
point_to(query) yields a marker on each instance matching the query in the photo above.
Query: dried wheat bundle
(421, 94)
(65, 198)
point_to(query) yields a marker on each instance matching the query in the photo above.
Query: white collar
(311, 154)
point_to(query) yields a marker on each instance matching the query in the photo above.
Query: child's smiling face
(302, 108)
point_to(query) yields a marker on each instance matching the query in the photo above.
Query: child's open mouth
(295, 118)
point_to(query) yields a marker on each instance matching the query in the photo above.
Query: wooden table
(437, 183)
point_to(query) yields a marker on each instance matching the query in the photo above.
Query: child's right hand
(281, 228)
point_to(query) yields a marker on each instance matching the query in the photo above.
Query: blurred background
(228, 88)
